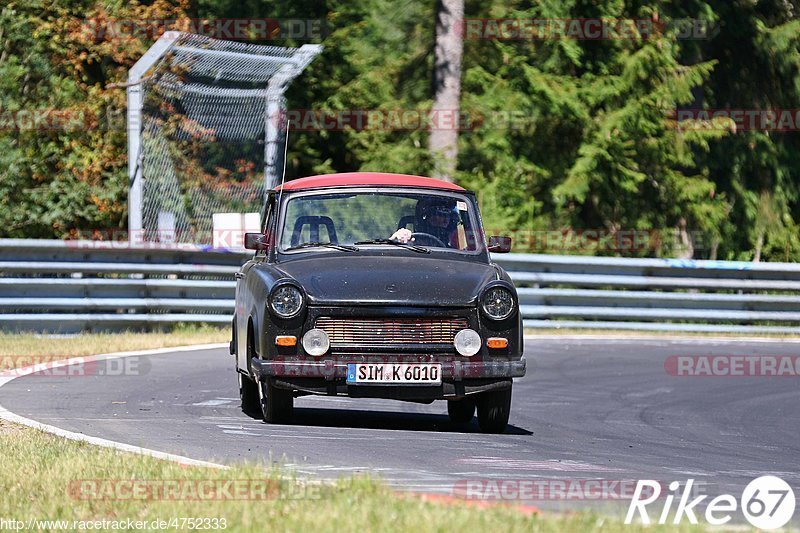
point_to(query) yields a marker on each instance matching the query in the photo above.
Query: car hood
(389, 279)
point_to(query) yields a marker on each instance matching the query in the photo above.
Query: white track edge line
(10, 375)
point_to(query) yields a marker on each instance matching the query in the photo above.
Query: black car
(375, 285)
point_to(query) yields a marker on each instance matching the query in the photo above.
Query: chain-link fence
(209, 140)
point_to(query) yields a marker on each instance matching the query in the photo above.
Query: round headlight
(316, 342)
(286, 301)
(498, 303)
(467, 342)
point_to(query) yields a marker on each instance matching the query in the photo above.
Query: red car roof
(367, 179)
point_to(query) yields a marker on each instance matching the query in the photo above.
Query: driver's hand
(401, 235)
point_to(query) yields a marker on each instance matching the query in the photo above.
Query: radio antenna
(285, 151)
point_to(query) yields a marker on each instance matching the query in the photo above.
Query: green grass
(37, 472)
(54, 347)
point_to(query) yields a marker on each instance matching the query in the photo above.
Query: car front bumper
(331, 370)
(459, 379)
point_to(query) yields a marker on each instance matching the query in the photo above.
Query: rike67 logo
(767, 503)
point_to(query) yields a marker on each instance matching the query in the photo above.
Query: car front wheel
(248, 393)
(493, 410)
(277, 405)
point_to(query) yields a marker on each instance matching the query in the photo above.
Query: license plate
(394, 373)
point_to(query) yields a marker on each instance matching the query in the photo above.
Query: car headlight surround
(498, 302)
(286, 300)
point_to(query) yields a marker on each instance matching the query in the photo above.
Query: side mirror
(499, 245)
(255, 241)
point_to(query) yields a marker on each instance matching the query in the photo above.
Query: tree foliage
(564, 133)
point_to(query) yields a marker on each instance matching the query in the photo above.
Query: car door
(244, 298)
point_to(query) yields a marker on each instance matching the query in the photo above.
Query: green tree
(59, 177)
(564, 133)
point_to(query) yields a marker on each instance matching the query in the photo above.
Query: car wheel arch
(251, 343)
(255, 325)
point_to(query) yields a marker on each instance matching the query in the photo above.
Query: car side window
(267, 221)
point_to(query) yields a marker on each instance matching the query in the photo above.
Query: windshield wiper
(419, 249)
(314, 244)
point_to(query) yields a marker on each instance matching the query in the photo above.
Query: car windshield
(424, 220)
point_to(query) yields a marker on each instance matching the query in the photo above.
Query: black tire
(277, 405)
(248, 393)
(493, 410)
(461, 411)
(232, 346)
(248, 387)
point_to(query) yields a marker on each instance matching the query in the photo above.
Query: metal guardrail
(68, 286)
(656, 294)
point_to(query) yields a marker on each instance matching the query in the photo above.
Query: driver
(438, 218)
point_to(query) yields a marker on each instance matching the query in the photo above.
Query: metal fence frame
(68, 286)
(275, 105)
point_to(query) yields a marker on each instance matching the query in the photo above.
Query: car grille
(380, 332)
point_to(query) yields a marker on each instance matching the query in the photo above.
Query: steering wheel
(436, 240)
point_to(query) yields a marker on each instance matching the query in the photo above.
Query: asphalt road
(588, 409)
